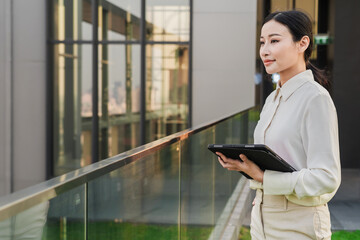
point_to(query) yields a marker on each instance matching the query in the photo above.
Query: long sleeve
(300, 124)
(319, 132)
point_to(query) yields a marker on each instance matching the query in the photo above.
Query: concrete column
(29, 91)
(5, 97)
(223, 58)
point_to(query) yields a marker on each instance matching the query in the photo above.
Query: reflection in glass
(71, 20)
(119, 19)
(206, 187)
(197, 185)
(167, 20)
(119, 103)
(166, 90)
(66, 217)
(28, 224)
(118, 76)
(72, 107)
(137, 201)
(119, 96)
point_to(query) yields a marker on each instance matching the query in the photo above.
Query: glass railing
(172, 188)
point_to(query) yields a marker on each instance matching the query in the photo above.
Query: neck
(291, 72)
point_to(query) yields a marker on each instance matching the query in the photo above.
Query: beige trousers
(273, 217)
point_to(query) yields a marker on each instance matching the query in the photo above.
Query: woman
(299, 123)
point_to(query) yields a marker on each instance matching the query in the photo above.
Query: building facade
(153, 68)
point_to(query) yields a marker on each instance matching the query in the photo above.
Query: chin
(270, 71)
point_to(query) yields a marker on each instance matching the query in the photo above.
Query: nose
(264, 50)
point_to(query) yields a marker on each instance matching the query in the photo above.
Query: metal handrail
(19, 201)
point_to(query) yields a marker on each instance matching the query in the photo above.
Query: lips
(268, 62)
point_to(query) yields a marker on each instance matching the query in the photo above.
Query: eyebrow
(273, 34)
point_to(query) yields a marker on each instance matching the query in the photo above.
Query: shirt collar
(292, 84)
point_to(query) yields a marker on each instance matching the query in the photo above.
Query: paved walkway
(345, 206)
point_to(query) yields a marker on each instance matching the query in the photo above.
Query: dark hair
(299, 25)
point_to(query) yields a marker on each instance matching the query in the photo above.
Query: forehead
(273, 27)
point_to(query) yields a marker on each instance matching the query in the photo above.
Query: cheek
(286, 55)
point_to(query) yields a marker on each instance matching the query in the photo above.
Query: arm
(319, 132)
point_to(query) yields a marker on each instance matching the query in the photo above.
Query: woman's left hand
(247, 166)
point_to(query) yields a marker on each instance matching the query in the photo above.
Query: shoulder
(316, 96)
(314, 87)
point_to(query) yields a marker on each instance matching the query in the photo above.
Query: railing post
(86, 208)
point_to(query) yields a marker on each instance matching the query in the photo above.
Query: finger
(225, 164)
(222, 156)
(243, 157)
(232, 161)
(221, 161)
(230, 166)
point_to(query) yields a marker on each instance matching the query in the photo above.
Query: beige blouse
(299, 123)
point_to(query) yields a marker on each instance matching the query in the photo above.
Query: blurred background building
(84, 80)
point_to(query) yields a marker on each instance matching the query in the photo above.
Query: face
(278, 51)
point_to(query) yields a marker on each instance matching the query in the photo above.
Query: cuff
(278, 183)
(255, 184)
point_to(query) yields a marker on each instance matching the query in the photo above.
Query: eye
(262, 42)
(274, 41)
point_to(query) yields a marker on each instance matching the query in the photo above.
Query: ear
(303, 44)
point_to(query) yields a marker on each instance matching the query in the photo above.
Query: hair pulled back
(299, 25)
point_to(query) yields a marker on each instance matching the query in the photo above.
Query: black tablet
(260, 154)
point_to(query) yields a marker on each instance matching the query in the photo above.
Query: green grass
(115, 230)
(339, 235)
(244, 234)
(73, 230)
(346, 235)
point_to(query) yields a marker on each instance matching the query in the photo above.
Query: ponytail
(319, 76)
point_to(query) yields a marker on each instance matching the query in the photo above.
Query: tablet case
(260, 154)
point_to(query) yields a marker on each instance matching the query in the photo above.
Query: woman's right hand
(247, 166)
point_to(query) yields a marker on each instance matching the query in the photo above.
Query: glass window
(73, 107)
(119, 76)
(71, 20)
(166, 90)
(167, 20)
(119, 19)
(119, 96)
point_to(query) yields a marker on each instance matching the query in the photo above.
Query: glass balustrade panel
(198, 168)
(59, 218)
(139, 200)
